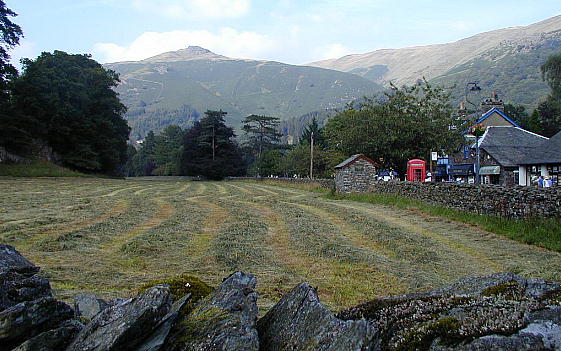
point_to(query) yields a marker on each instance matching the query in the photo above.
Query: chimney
(491, 103)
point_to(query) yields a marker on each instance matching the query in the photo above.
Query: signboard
(434, 156)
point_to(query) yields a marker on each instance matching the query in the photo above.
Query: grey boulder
(300, 322)
(28, 319)
(124, 326)
(54, 339)
(223, 320)
(18, 282)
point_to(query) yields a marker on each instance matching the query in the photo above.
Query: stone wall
(507, 202)
(357, 177)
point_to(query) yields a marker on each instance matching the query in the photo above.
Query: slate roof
(548, 152)
(353, 159)
(510, 146)
(491, 111)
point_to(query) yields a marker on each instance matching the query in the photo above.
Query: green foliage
(297, 161)
(550, 116)
(518, 114)
(68, 101)
(551, 74)
(270, 163)
(209, 151)
(508, 290)
(446, 329)
(182, 285)
(12, 135)
(37, 169)
(412, 122)
(313, 130)
(534, 122)
(543, 232)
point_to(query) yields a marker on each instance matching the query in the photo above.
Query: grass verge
(542, 232)
(38, 168)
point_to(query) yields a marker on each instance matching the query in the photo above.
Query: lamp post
(471, 86)
(477, 130)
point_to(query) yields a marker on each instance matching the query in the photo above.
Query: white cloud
(227, 41)
(195, 8)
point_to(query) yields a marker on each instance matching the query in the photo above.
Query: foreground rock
(224, 320)
(124, 326)
(54, 339)
(18, 279)
(498, 312)
(300, 322)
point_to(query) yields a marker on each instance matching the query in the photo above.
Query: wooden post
(312, 155)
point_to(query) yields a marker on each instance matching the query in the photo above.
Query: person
(540, 181)
(547, 183)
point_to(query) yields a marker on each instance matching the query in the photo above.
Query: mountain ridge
(408, 64)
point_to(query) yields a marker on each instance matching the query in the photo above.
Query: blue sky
(291, 31)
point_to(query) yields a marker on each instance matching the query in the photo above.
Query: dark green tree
(550, 109)
(534, 122)
(167, 151)
(73, 107)
(12, 132)
(261, 132)
(144, 161)
(518, 114)
(317, 132)
(410, 123)
(209, 151)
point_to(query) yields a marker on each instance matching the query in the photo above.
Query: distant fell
(177, 87)
(506, 60)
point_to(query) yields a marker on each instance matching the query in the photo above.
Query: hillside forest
(64, 107)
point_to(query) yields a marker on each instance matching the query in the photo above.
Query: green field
(108, 237)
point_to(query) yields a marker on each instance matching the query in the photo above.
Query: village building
(355, 174)
(544, 160)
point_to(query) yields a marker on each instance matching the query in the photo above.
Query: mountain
(506, 60)
(177, 87)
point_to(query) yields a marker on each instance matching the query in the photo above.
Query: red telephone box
(416, 170)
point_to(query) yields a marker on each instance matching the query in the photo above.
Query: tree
(518, 114)
(410, 123)
(317, 132)
(261, 132)
(167, 151)
(550, 109)
(70, 101)
(144, 161)
(209, 151)
(12, 133)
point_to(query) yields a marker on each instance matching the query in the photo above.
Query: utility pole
(312, 155)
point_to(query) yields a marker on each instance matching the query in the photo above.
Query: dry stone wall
(496, 200)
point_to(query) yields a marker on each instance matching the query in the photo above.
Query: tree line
(65, 105)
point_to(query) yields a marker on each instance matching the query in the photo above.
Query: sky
(290, 31)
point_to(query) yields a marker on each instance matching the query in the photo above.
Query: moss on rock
(509, 290)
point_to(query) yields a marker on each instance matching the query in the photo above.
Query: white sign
(434, 156)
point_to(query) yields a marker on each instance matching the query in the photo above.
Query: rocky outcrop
(89, 306)
(501, 311)
(300, 322)
(18, 279)
(224, 320)
(54, 339)
(124, 326)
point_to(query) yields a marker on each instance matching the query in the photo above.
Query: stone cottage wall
(357, 177)
(496, 200)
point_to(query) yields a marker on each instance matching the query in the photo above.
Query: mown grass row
(542, 232)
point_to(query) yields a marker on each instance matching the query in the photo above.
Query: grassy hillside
(37, 168)
(506, 60)
(240, 87)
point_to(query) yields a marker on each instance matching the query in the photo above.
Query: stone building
(502, 150)
(355, 174)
